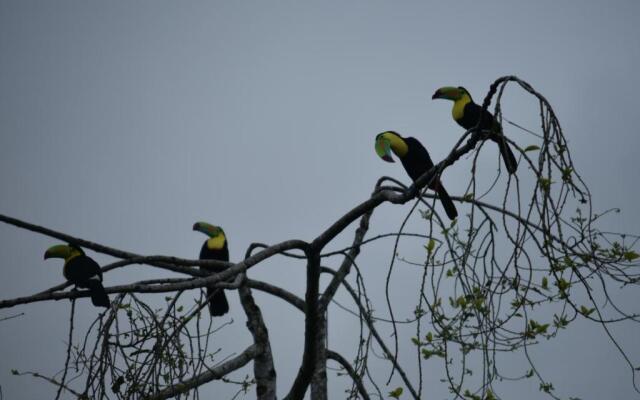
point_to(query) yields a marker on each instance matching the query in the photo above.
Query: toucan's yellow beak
(383, 149)
(58, 251)
(206, 228)
(437, 95)
(447, 92)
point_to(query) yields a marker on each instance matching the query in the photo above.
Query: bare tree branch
(214, 373)
(352, 373)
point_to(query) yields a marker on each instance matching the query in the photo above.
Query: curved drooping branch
(352, 373)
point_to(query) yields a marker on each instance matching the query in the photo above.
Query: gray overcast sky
(125, 122)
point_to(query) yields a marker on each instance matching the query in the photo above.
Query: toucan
(415, 160)
(80, 270)
(467, 113)
(214, 248)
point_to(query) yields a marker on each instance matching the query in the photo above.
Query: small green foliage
(427, 354)
(15, 372)
(416, 341)
(471, 396)
(586, 311)
(562, 285)
(546, 387)
(535, 328)
(426, 214)
(630, 255)
(468, 196)
(517, 303)
(569, 262)
(429, 337)
(566, 174)
(560, 322)
(396, 393)
(430, 246)
(545, 184)
(531, 147)
(545, 283)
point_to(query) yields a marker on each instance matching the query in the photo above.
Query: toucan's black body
(471, 116)
(416, 162)
(85, 273)
(218, 304)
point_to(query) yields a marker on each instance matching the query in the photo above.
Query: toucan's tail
(447, 203)
(218, 304)
(509, 158)
(99, 297)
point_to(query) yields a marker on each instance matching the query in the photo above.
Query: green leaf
(545, 283)
(586, 311)
(15, 372)
(546, 387)
(430, 246)
(542, 328)
(560, 322)
(631, 255)
(545, 184)
(426, 214)
(562, 284)
(429, 337)
(566, 174)
(471, 396)
(396, 393)
(468, 196)
(426, 353)
(531, 147)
